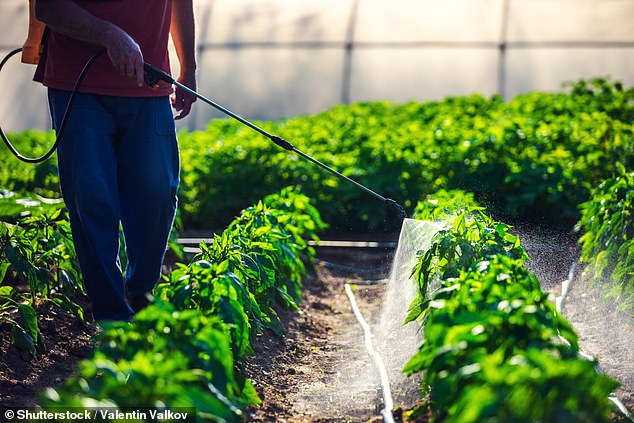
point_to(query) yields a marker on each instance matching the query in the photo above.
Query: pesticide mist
(395, 341)
(350, 389)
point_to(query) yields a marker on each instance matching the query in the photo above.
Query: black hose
(351, 269)
(67, 112)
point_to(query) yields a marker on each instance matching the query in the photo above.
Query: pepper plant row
(535, 156)
(494, 347)
(186, 349)
(607, 221)
(37, 264)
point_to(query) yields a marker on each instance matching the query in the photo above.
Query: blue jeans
(118, 167)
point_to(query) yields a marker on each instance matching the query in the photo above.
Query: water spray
(559, 304)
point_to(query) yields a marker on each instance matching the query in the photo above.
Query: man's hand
(182, 100)
(125, 55)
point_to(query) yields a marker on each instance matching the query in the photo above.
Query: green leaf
(23, 340)
(4, 266)
(29, 317)
(68, 305)
(10, 293)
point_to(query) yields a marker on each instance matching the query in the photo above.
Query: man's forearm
(182, 30)
(68, 18)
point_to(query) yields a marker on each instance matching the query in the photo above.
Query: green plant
(186, 348)
(36, 253)
(444, 203)
(18, 312)
(454, 249)
(165, 358)
(215, 290)
(251, 267)
(27, 178)
(493, 342)
(535, 157)
(608, 238)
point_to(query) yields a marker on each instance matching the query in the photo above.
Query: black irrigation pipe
(356, 270)
(191, 247)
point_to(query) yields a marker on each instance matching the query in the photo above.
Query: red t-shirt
(147, 22)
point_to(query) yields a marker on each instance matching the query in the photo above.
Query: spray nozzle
(398, 207)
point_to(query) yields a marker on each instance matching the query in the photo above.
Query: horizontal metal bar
(322, 243)
(402, 44)
(353, 244)
(414, 44)
(195, 241)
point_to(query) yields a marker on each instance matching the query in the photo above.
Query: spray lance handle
(153, 75)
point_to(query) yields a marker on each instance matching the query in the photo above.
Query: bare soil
(320, 371)
(605, 332)
(22, 376)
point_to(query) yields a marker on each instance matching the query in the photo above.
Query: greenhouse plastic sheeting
(407, 74)
(413, 21)
(279, 21)
(24, 104)
(13, 22)
(553, 21)
(547, 69)
(269, 59)
(272, 89)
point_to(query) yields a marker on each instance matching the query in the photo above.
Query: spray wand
(31, 52)
(153, 75)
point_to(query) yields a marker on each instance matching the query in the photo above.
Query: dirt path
(604, 331)
(321, 372)
(22, 377)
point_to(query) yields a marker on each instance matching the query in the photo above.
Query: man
(118, 155)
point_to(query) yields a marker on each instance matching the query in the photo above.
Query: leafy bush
(169, 359)
(25, 178)
(251, 268)
(36, 251)
(495, 348)
(608, 238)
(187, 348)
(444, 203)
(456, 248)
(536, 156)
